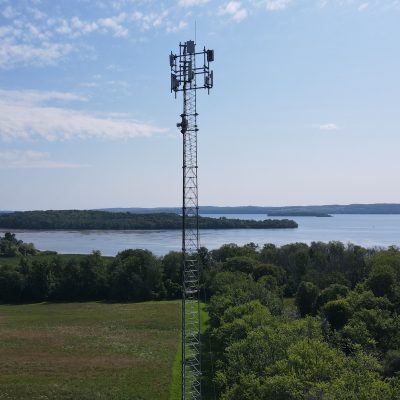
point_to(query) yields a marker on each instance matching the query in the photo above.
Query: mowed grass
(88, 351)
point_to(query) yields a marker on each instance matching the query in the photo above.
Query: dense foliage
(305, 322)
(133, 275)
(86, 219)
(10, 246)
(297, 322)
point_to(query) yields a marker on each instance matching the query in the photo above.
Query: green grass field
(88, 351)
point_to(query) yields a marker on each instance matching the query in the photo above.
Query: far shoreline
(299, 214)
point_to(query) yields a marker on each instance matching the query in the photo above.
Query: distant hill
(82, 219)
(379, 208)
(298, 214)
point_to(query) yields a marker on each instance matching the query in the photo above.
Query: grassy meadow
(89, 351)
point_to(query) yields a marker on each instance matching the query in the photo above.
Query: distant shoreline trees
(103, 220)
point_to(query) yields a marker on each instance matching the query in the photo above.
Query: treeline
(86, 219)
(298, 214)
(338, 340)
(382, 208)
(133, 275)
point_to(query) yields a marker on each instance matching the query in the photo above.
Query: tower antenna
(184, 77)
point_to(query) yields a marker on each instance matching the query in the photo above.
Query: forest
(87, 219)
(296, 322)
(304, 322)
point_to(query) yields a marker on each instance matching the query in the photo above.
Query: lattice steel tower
(184, 77)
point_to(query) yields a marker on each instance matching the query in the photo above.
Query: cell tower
(184, 77)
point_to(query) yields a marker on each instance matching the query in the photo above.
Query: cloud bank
(26, 115)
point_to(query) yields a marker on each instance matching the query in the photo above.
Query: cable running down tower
(184, 77)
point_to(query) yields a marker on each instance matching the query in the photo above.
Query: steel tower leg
(191, 362)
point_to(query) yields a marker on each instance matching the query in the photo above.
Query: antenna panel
(190, 47)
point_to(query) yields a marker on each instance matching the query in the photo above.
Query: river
(365, 230)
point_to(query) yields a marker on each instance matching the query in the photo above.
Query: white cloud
(191, 3)
(273, 5)
(26, 116)
(13, 54)
(76, 27)
(23, 43)
(234, 9)
(30, 37)
(177, 28)
(114, 24)
(37, 97)
(361, 5)
(81, 27)
(12, 159)
(150, 20)
(328, 127)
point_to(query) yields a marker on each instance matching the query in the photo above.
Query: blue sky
(305, 108)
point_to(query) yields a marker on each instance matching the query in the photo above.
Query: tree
(332, 292)
(337, 312)
(244, 264)
(392, 363)
(381, 280)
(11, 284)
(136, 275)
(270, 270)
(172, 274)
(93, 277)
(37, 281)
(306, 298)
(238, 321)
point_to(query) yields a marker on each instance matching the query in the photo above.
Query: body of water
(365, 230)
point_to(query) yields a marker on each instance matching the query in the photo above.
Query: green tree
(136, 275)
(93, 277)
(337, 312)
(306, 298)
(381, 280)
(244, 264)
(11, 284)
(172, 274)
(332, 292)
(37, 280)
(392, 363)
